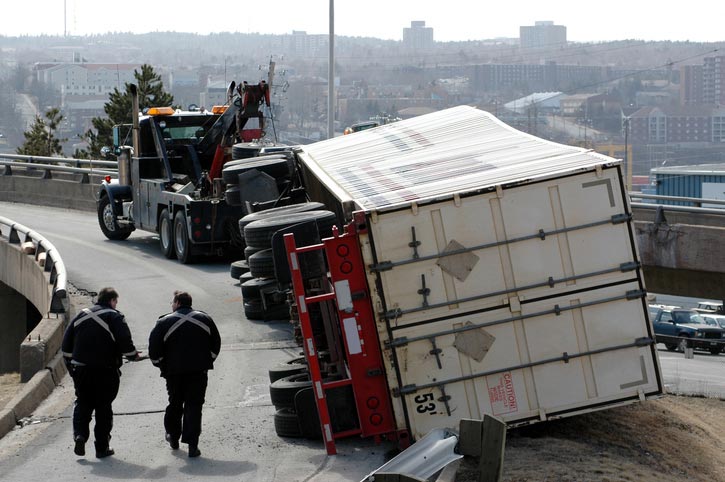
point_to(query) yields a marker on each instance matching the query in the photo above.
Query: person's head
(182, 299)
(108, 296)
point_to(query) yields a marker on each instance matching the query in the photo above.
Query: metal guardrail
(695, 208)
(49, 168)
(56, 160)
(18, 234)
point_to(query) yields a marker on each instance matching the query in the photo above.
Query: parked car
(654, 309)
(678, 327)
(710, 306)
(715, 320)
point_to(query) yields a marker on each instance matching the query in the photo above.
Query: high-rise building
(713, 80)
(543, 34)
(418, 36)
(691, 84)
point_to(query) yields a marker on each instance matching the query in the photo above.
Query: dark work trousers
(96, 389)
(186, 398)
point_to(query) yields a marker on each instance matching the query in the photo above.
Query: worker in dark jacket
(94, 345)
(184, 345)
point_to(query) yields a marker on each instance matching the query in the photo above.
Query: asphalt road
(238, 441)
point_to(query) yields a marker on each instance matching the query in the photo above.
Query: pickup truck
(678, 327)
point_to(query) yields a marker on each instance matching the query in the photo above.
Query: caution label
(502, 394)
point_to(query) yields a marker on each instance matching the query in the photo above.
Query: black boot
(194, 450)
(80, 446)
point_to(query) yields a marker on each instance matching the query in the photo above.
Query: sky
(452, 20)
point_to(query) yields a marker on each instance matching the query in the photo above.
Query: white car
(713, 319)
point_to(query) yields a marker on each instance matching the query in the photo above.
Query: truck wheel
(286, 423)
(238, 268)
(108, 223)
(292, 367)
(670, 347)
(251, 290)
(182, 245)
(259, 233)
(166, 235)
(261, 264)
(715, 350)
(268, 213)
(283, 391)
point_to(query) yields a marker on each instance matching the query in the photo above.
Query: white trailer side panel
(547, 282)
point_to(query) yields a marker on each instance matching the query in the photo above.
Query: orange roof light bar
(218, 109)
(160, 111)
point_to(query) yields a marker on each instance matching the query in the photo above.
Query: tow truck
(169, 180)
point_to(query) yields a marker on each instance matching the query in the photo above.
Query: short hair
(106, 295)
(182, 298)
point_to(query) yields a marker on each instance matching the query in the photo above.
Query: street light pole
(331, 76)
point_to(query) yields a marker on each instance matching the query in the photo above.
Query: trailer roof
(457, 150)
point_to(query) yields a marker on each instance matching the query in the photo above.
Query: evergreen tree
(40, 140)
(151, 93)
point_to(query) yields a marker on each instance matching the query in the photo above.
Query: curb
(26, 400)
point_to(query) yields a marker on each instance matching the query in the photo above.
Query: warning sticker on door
(502, 394)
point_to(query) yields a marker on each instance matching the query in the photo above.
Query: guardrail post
(13, 237)
(689, 350)
(484, 439)
(47, 174)
(7, 171)
(84, 178)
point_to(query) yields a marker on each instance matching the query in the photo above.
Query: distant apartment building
(85, 79)
(691, 83)
(543, 34)
(713, 81)
(703, 84)
(418, 36)
(535, 77)
(683, 125)
(303, 44)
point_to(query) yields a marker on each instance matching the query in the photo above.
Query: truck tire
(291, 367)
(286, 423)
(182, 244)
(283, 391)
(250, 250)
(251, 290)
(238, 268)
(268, 213)
(232, 195)
(259, 233)
(244, 150)
(261, 264)
(166, 235)
(277, 168)
(715, 350)
(253, 310)
(108, 223)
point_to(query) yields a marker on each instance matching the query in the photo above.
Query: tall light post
(331, 76)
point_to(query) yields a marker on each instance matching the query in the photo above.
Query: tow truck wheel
(182, 245)
(108, 223)
(166, 235)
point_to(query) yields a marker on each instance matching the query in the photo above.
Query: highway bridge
(238, 442)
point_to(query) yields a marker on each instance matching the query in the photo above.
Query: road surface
(238, 440)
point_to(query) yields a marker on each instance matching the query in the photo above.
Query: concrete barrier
(31, 394)
(32, 266)
(40, 346)
(62, 193)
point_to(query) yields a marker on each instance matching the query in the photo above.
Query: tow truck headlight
(700, 334)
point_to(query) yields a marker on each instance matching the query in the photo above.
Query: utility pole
(65, 18)
(331, 76)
